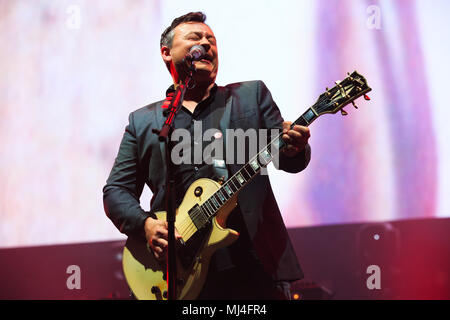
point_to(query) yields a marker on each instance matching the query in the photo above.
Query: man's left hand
(295, 138)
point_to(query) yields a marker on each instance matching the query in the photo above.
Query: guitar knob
(366, 97)
(154, 290)
(198, 191)
(343, 112)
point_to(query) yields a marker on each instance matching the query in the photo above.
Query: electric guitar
(201, 216)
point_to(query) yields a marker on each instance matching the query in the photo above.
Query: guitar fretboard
(201, 214)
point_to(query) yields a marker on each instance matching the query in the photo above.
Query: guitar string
(266, 148)
(189, 226)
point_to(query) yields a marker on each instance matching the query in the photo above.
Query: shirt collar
(211, 93)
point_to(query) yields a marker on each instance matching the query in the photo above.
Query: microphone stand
(170, 200)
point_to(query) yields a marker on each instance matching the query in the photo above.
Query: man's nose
(205, 43)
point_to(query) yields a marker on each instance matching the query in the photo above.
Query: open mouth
(207, 58)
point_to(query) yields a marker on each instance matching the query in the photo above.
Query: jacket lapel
(160, 119)
(227, 100)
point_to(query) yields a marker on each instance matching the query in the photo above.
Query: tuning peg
(366, 97)
(343, 112)
(354, 104)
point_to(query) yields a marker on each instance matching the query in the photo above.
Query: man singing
(261, 263)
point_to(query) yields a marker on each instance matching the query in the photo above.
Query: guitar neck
(331, 101)
(203, 213)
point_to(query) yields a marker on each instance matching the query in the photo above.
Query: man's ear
(165, 54)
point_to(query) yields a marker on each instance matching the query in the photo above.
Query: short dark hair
(167, 35)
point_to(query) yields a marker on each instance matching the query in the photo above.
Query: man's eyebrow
(200, 33)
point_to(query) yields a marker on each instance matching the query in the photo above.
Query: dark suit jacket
(141, 161)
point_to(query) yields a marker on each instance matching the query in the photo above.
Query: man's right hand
(156, 234)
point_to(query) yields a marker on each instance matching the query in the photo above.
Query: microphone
(196, 53)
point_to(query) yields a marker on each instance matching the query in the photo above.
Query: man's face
(187, 35)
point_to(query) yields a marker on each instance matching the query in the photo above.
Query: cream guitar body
(145, 274)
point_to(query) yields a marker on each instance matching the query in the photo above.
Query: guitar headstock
(343, 93)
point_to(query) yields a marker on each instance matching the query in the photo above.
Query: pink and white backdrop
(72, 71)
